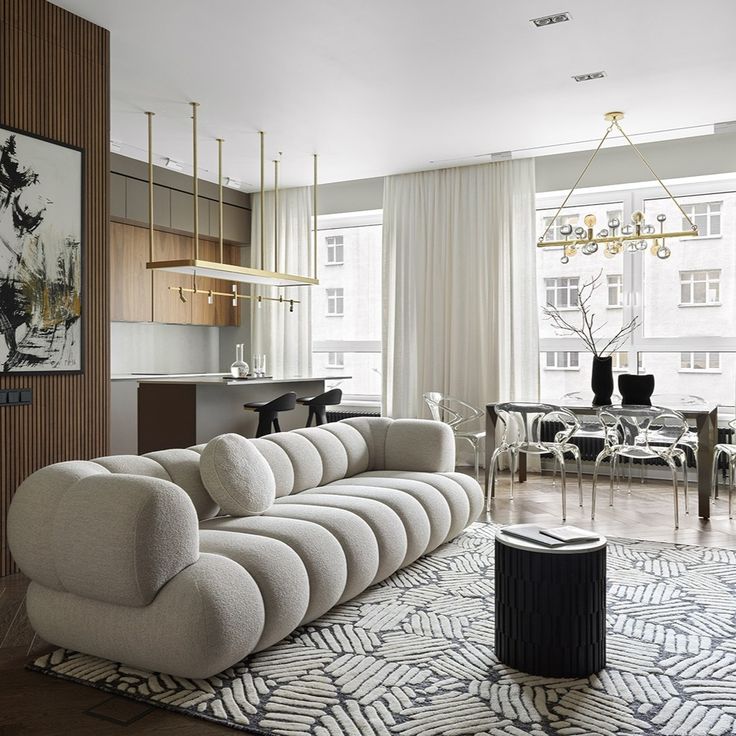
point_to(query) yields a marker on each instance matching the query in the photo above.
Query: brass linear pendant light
(218, 269)
(639, 236)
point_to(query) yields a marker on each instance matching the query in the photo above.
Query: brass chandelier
(616, 238)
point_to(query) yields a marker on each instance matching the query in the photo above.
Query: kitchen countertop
(217, 379)
(146, 376)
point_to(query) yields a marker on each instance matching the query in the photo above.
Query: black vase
(636, 390)
(601, 380)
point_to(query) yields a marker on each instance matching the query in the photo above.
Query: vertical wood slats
(54, 82)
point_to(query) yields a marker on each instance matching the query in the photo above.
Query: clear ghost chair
(521, 432)
(632, 426)
(729, 451)
(458, 414)
(663, 435)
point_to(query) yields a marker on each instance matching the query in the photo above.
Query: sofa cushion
(237, 476)
(355, 446)
(304, 456)
(384, 522)
(280, 462)
(419, 445)
(331, 451)
(321, 553)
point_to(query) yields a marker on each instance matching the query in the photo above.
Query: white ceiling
(386, 86)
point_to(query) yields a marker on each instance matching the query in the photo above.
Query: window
(335, 360)
(700, 287)
(563, 361)
(346, 338)
(676, 300)
(562, 292)
(335, 250)
(335, 302)
(706, 215)
(615, 283)
(700, 362)
(620, 361)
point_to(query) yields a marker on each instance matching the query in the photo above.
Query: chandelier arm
(574, 186)
(661, 183)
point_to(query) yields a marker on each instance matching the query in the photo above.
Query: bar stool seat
(318, 405)
(268, 412)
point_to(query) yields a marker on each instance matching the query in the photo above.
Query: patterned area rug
(414, 656)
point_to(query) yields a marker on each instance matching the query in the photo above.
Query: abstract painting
(40, 255)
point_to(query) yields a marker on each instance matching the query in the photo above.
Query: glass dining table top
(687, 405)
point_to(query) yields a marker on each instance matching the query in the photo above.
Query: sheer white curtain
(459, 287)
(284, 337)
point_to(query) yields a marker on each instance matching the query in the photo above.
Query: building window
(335, 299)
(700, 362)
(700, 287)
(569, 361)
(615, 290)
(562, 292)
(620, 361)
(554, 232)
(335, 360)
(335, 250)
(706, 215)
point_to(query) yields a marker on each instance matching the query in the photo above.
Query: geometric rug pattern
(414, 656)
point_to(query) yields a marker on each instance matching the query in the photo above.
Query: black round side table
(551, 607)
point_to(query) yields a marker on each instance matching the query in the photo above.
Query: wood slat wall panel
(54, 82)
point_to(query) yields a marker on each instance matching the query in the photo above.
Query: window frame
(707, 281)
(568, 366)
(634, 195)
(567, 289)
(709, 215)
(332, 299)
(619, 286)
(331, 249)
(337, 363)
(708, 358)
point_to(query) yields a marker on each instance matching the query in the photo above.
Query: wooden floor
(33, 704)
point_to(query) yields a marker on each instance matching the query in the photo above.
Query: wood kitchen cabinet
(140, 295)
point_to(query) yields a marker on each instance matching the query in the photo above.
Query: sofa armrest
(421, 445)
(112, 538)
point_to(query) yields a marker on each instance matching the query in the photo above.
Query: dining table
(704, 415)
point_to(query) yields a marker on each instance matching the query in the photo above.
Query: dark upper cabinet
(117, 195)
(136, 202)
(182, 216)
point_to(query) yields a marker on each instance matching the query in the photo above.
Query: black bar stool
(318, 405)
(268, 412)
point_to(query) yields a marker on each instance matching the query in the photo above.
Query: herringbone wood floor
(36, 705)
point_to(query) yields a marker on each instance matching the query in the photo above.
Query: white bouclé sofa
(185, 561)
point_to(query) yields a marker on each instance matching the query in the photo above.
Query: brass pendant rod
(261, 203)
(220, 141)
(195, 105)
(314, 215)
(276, 214)
(150, 115)
(574, 186)
(615, 239)
(209, 292)
(661, 183)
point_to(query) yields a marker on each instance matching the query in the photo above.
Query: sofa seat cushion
(463, 500)
(384, 522)
(317, 548)
(435, 504)
(359, 545)
(279, 573)
(412, 513)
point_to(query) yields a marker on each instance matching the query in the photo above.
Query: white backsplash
(150, 347)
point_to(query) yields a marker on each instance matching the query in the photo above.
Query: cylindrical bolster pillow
(120, 538)
(237, 476)
(421, 445)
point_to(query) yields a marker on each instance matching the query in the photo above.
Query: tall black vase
(601, 380)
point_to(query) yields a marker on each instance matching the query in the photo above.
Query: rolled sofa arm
(76, 528)
(421, 445)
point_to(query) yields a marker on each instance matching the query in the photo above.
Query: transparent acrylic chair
(627, 434)
(663, 435)
(460, 416)
(521, 432)
(729, 451)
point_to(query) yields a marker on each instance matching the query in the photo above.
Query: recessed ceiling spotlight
(174, 165)
(501, 156)
(234, 183)
(588, 77)
(550, 20)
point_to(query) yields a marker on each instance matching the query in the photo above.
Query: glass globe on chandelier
(615, 239)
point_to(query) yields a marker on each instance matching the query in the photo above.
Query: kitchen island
(180, 411)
